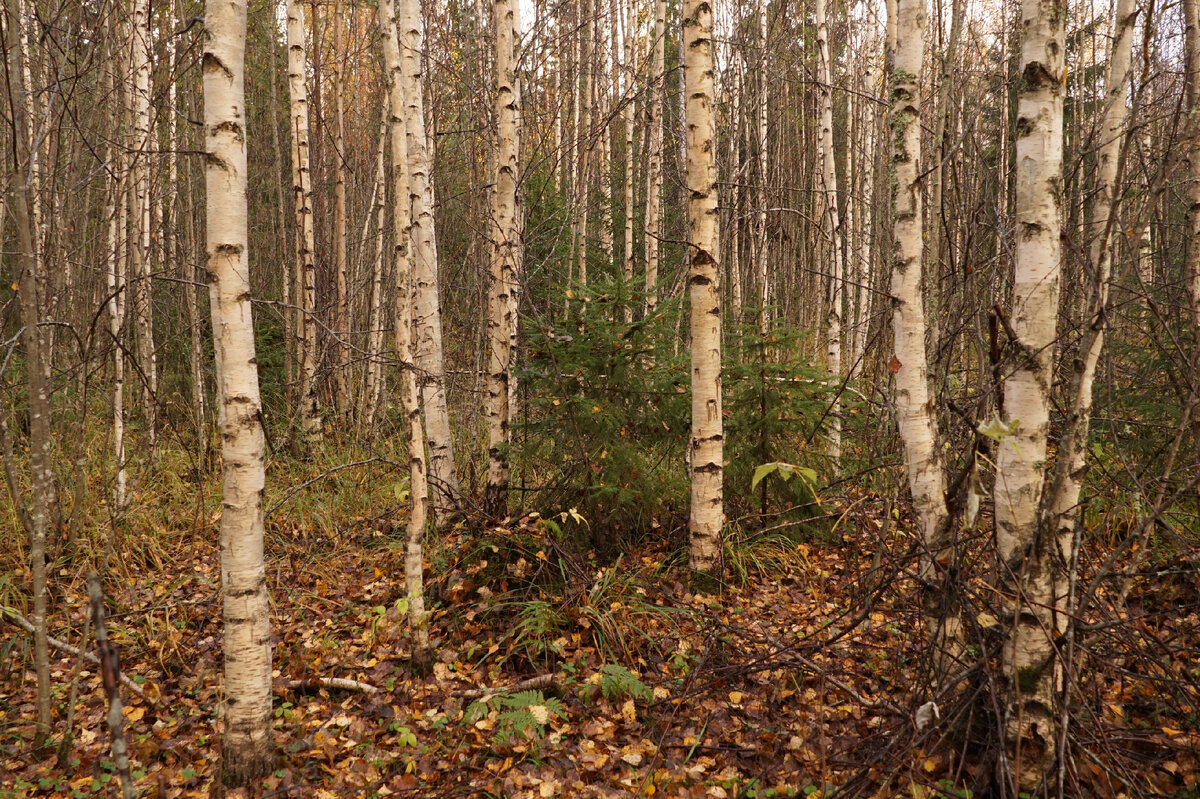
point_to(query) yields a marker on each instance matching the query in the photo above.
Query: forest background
(711, 399)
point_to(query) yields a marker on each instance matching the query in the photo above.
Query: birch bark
(143, 306)
(1030, 566)
(427, 311)
(507, 252)
(832, 226)
(654, 157)
(913, 407)
(410, 408)
(248, 750)
(1061, 515)
(707, 435)
(310, 410)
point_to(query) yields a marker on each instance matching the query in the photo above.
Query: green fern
(523, 716)
(618, 682)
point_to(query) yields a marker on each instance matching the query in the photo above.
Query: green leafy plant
(520, 717)
(618, 683)
(776, 402)
(608, 410)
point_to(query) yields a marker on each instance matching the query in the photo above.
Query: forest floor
(555, 676)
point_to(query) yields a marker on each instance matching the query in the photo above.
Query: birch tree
(1061, 514)
(654, 157)
(832, 228)
(38, 519)
(310, 410)
(248, 750)
(506, 252)
(705, 447)
(427, 311)
(139, 204)
(1030, 566)
(410, 405)
(340, 265)
(913, 407)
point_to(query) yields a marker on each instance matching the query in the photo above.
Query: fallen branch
(540, 681)
(340, 683)
(20, 621)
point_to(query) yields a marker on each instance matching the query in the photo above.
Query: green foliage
(776, 402)
(518, 717)
(536, 634)
(607, 413)
(618, 683)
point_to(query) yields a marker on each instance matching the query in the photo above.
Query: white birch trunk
(1071, 464)
(248, 749)
(143, 307)
(342, 380)
(654, 156)
(625, 73)
(373, 380)
(833, 231)
(310, 410)
(507, 253)
(21, 184)
(707, 435)
(410, 409)
(427, 312)
(914, 412)
(1029, 565)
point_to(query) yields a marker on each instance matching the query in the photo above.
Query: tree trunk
(507, 253)
(735, 188)
(625, 73)
(1062, 512)
(427, 313)
(40, 437)
(833, 229)
(1031, 566)
(249, 749)
(759, 242)
(342, 324)
(707, 435)
(373, 380)
(143, 306)
(310, 410)
(654, 156)
(410, 409)
(914, 412)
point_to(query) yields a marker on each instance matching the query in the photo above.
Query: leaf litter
(806, 680)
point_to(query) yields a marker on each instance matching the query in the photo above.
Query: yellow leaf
(649, 790)
(930, 765)
(134, 713)
(1172, 731)
(629, 712)
(736, 697)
